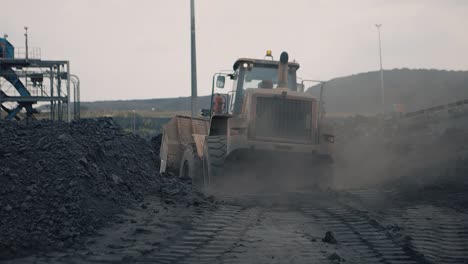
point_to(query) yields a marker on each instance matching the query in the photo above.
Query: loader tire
(325, 179)
(191, 167)
(214, 153)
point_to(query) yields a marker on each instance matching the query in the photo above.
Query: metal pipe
(193, 59)
(68, 93)
(212, 94)
(283, 70)
(51, 79)
(59, 91)
(76, 96)
(320, 105)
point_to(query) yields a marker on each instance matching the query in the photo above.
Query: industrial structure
(33, 88)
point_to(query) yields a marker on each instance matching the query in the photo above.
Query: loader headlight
(329, 138)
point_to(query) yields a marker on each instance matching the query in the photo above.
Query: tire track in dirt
(282, 229)
(437, 234)
(206, 240)
(440, 234)
(226, 240)
(280, 235)
(137, 234)
(364, 240)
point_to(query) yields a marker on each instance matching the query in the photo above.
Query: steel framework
(29, 86)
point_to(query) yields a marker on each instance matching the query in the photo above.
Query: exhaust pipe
(283, 70)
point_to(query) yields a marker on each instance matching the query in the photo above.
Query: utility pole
(193, 59)
(382, 91)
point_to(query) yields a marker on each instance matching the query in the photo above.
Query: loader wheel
(325, 177)
(191, 167)
(214, 153)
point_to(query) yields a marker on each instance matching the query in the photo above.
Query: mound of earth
(61, 181)
(156, 143)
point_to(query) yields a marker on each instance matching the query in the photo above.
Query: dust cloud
(274, 173)
(369, 152)
(373, 151)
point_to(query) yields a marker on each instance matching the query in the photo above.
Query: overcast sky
(139, 49)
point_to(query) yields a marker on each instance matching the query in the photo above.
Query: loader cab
(257, 74)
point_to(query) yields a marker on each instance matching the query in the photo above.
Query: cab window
(266, 76)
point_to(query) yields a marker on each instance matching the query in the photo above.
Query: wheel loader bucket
(179, 133)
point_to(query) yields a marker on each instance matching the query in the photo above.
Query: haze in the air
(141, 49)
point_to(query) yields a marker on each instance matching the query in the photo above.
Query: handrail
(33, 53)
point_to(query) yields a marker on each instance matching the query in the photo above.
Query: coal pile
(156, 143)
(175, 190)
(61, 181)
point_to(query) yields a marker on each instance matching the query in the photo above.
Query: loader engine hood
(281, 115)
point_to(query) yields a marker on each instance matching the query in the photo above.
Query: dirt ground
(418, 217)
(369, 226)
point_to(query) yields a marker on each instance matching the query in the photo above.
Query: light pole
(193, 59)
(382, 91)
(26, 41)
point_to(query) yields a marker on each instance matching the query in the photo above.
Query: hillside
(358, 93)
(158, 105)
(416, 89)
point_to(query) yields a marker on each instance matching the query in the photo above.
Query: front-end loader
(266, 123)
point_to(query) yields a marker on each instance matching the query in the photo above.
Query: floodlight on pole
(382, 91)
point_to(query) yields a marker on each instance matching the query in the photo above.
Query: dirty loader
(266, 123)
